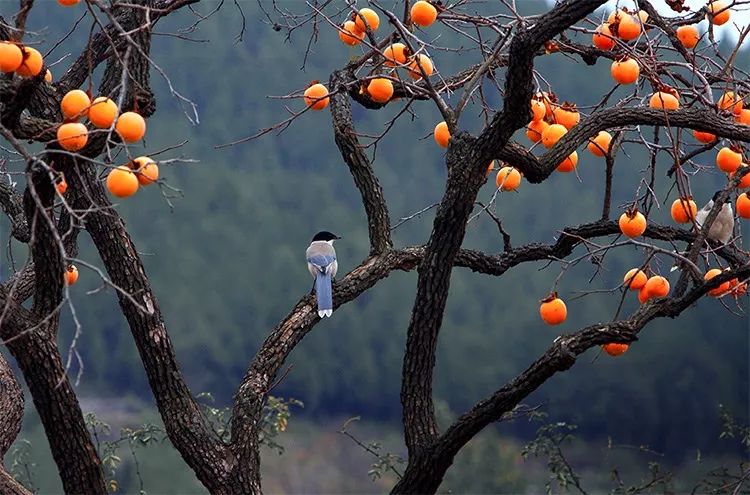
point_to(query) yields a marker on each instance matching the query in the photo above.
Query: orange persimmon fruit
(72, 136)
(635, 279)
(632, 223)
(508, 179)
(316, 96)
(423, 13)
(131, 127)
(553, 310)
(122, 182)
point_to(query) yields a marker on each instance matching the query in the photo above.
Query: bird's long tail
(324, 294)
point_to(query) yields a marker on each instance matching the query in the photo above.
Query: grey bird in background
(723, 227)
(322, 264)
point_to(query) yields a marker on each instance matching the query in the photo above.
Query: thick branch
(518, 84)
(185, 423)
(12, 205)
(11, 407)
(467, 161)
(538, 169)
(11, 416)
(560, 357)
(378, 221)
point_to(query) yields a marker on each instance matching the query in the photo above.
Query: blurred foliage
(226, 261)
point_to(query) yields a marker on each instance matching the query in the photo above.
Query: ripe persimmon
(549, 100)
(395, 54)
(146, 170)
(740, 289)
(683, 210)
(103, 112)
(704, 137)
(417, 61)
(743, 117)
(603, 38)
(122, 182)
(11, 57)
(131, 127)
(599, 146)
(316, 96)
(615, 349)
(629, 27)
(719, 290)
(508, 179)
(730, 101)
(718, 13)
(745, 181)
(643, 295)
(71, 275)
(657, 286)
(72, 136)
(632, 223)
(369, 15)
(635, 279)
(538, 110)
(553, 310)
(380, 90)
(441, 134)
(743, 206)
(728, 160)
(566, 115)
(32, 62)
(535, 129)
(552, 134)
(688, 36)
(75, 104)
(664, 101)
(423, 13)
(60, 184)
(569, 164)
(616, 15)
(625, 71)
(350, 34)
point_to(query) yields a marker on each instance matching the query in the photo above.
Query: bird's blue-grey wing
(322, 261)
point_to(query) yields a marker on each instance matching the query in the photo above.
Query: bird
(723, 226)
(322, 264)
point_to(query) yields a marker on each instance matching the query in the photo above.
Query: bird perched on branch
(322, 264)
(723, 226)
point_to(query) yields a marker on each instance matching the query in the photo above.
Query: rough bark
(186, 426)
(11, 412)
(367, 183)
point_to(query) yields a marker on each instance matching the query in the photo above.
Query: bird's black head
(325, 236)
(716, 197)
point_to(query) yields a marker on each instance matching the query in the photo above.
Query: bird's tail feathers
(323, 292)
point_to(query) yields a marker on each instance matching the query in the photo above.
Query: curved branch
(12, 205)
(537, 169)
(467, 161)
(11, 416)
(11, 407)
(186, 426)
(518, 84)
(560, 357)
(378, 221)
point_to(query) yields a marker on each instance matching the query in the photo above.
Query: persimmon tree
(683, 87)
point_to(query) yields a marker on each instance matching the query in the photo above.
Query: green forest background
(226, 262)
